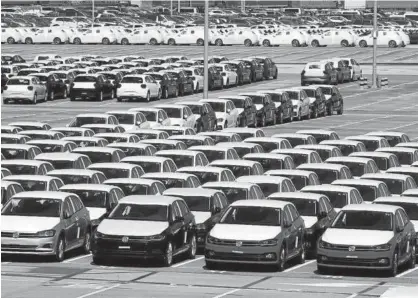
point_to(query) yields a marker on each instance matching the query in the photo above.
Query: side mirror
(185, 117)
(179, 219)
(160, 120)
(138, 122)
(322, 214)
(216, 210)
(228, 111)
(66, 215)
(399, 229)
(118, 85)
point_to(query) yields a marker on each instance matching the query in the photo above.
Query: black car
(55, 87)
(114, 77)
(208, 205)
(257, 70)
(12, 59)
(244, 73)
(4, 80)
(94, 86)
(206, 117)
(167, 83)
(183, 81)
(270, 68)
(215, 79)
(248, 116)
(266, 109)
(146, 227)
(317, 101)
(283, 103)
(334, 99)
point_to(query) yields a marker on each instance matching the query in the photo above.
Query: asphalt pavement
(393, 108)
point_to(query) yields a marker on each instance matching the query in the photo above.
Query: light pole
(375, 34)
(206, 52)
(92, 15)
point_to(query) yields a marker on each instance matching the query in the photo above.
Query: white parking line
(227, 293)
(187, 262)
(99, 291)
(353, 295)
(356, 94)
(406, 125)
(407, 272)
(358, 122)
(299, 266)
(77, 258)
(379, 101)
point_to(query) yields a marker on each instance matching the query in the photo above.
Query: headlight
(158, 237)
(382, 247)
(212, 240)
(46, 233)
(220, 120)
(98, 235)
(295, 107)
(270, 242)
(201, 226)
(309, 231)
(95, 222)
(323, 244)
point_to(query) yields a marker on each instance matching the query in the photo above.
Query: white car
(11, 70)
(190, 35)
(139, 87)
(288, 37)
(24, 88)
(155, 117)
(333, 37)
(99, 35)
(301, 103)
(239, 36)
(226, 112)
(47, 35)
(64, 22)
(43, 57)
(384, 38)
(11, 35)
(179, 115)
(130, 120)
(229, 76)
(150, 36)
(93, 118)
(197, 77)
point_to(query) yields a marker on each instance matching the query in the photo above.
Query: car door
(299, 227)
(82, 220)
(70, 223)
(289, 231)
(189, 221)
(177, 228)
(401, 235)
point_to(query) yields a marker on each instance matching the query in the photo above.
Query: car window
(230, 175)
(398, 219)
(166, 167)
(183, 208)
(78, 205)
(224, 176)
(195, 182)
(258, 193)
(68, 208)
(293, 212)
(216, 203)
(176, 210)
(286, 215)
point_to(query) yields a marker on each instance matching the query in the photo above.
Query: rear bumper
(83, 93)
(314, 79)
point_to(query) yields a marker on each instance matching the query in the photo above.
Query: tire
(65, 95)
(299, 118)
(329, 110)
(100, 97)
(276, 75)
(168, 255)
(11, 40)
(5, 101)
(248, 43)
(124, 41)
(211, 265)
(113, 94)
(308, 116)
(159, 94)
(77, 40)
(72, 98)
(165, 93)
(353, 78)
(281, 262)
(344, 43)
(200, 128)
(153, 41)
(35, 99)
(105, 41)
(87, 242)
(236, 81)
(393, 271)
(280, 118)
(274, 121)
(98, 260)
(28, 40)
(59, 254)
(266, 43)
(227, 83)
(263, 121)
(315, 43)
(200, 42)
(412, 261)
(57, 40)
(295, 43)
(219, 42)
(197, 88)
(191, 253)
(341, 110)
(362, 44)
(177, 92)
(314, 113)
(171, 42)
(301, 258)
(148, 98)
(392, 44)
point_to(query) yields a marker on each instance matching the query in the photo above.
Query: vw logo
(238, 244)
(16, 235)
(125, 239)
(351, 248)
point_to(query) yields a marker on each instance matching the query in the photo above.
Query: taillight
(5, 88)
(325, 72)
(193, 78)
(30, 88)
(143, 86)
(303, 73)
(72, 84)
(223, 74)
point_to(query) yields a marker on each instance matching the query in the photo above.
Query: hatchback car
(397, 183)
(371, 142)
(101, 154)
(346, 146)
(369, 189)
(27, 167)
(357, 165)
(19, 151)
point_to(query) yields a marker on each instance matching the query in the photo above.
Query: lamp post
(206, 52)
(375, 34)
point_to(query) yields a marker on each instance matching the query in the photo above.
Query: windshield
(405, 158)
(252, 215)
(80, 121)
(369, 193)
(173, 112)
(269, 188)
(31, 185)
(370, 145)
(33, 207)
(132, 189)
(114, 172)
(327, 91)
(267, 146)
(257, 100)
(157, 77)
(241, 151)
(218, 106)
(238, 171)
(97, 157)
(62, 164)
(304, 207)
(140, 212)
(197, 203)
(169, 183)
(196, 109)
(323, 153)
(346, 150)
(205, 176)
(233, 194)
(133, 151)
(85, 79)
(357, 169)
(22, 169)
(298, 158)
(269, 163)
(326, 176)
(310, 92)
(149, 166)
(132, 80)
(151, 116)
(125, 118)
(293, 95)
(364, 220)
(239, 103)
(395, 186)
(18, 81)
(214, 155)
(91, 198)
(381, 162)
(118, 139)
(411, 209)
(337, 199)
(74, 179)
(45, 148)
(13, 153)
(298, 181)
(110, 76)
(182, 160)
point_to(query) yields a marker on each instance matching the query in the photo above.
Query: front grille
(20, 235)
(357, 248)
(240, 243)
(239, 257)
(353, 262)
(18, 247)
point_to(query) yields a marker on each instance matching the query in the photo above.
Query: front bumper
(28, 246)
(140, 249)
(241, 255)
(376, 260)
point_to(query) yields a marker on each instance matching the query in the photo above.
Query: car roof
(57, 195)
(177, 152)
(263, 139)
(340, 142)
(327, 187)
(52, 142)
(315, 131)
(171, 106)
(242, 129)
(364, 137)
(85, 186)
(95, 149)
(385, 133)
(144, 158)
(64, 128)
(291, 135)
(214, 100)
(233, 162)
(349, 182)
(28, 162)
(321, 166)
(297, 195)
(217, 133)
(148, 200)
(75, 172)
(372, 154)
(371, 207)
(208, 169)
(29, 177)
(207, 192)
(261, 179)
(122, 112)
(261, 203)
(237, 144)
(348, 159)
(232, 184)
(293, 150)
(405, 170)
(265, 156)
(290, 172)
(412, 200)
(112, 165)
(385, 176)
(396, 149)
(170, 175)
(188, 137)
(28, 77)
(113, 134)
(208, 147)
(129, 145)
(58, 156)
(316, 147)
(17, 146)
(234, 97)
(130, 181)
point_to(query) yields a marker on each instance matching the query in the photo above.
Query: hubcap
(282, 259)
(395, 264)
(193, 246)
(61, 249)
(169, 254)
(87, 244)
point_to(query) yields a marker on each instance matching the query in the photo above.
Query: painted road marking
(407, 272)
(77, 258)
(409, 124)
(99, 291)
(299, 266)
(379, 101)
(227, 293)
(187, 262)
(391, 87)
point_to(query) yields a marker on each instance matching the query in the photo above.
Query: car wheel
(191, 253)
(227, 82)
(308, 116)
(266, 43)
(105, 41)
(168, 255)
(28, 40)
(52, 95)
(148, 98)
(65, 93)
(177, 92)
(219, 42)
(200, 42)
(124, 41)
(57, 40)
(274, 120)
(35, 99)
(97, 260)
(159, 94)
(280, 119)
(77, 40)
(341, 110)
(315, 113)
(315, 43)
(101, 96)
(392, 44)
(393, 271)
(362, 44)
(153, 41)
(281, 263)
(197, 88)
(10, 40)
(276, 75)
(165, 93)
(211, 265)
(60, 249)
(344, 43)
(215, 126)
(72, 98)
(299, 117)
(412, 261)
(113, 94)
(263, 121)
(171, 42)
(87, 242)
(248, 43)
(236, 81)
(302, 255)
(295, 43)
(329, 110)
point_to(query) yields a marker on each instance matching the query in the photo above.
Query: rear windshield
(18, 82)
(132, 80)
(85, 79)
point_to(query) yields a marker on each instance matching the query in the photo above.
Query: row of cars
(141, 179)
(219, 35)
(51, 76)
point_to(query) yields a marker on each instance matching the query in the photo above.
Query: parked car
(24, 88)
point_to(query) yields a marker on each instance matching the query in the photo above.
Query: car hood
(220, 115)
(96, 213)
(27, 224)
(415, 223)
(244, 232)
(239, 111)
(177, 122)
(201, 217)
(258, 107)
(129, 126)
(357, 237)
(295, 102)
(309, 221)
(131, 227)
